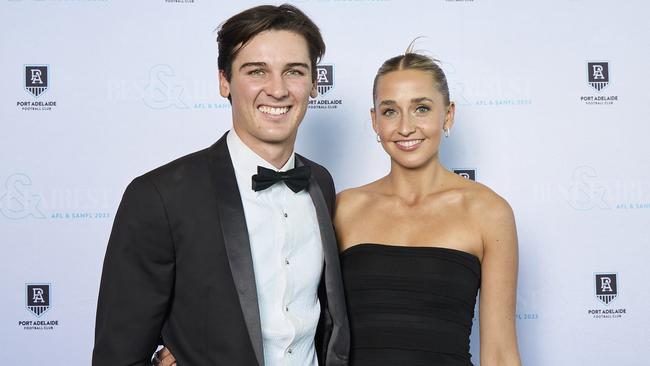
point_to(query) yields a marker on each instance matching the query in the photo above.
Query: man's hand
(163, 357)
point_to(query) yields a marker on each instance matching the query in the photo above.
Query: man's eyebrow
(263, 64)
(252, 64)
(297, 64)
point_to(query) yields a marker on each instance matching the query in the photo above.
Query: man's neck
(275, 154)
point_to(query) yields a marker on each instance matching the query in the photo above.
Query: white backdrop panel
(135, 86)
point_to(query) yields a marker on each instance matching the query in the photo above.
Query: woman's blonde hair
(412, 60)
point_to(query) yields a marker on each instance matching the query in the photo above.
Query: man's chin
(277, 137)
(277, 132)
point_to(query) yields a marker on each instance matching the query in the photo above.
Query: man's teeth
(273, 110)
(409, 143)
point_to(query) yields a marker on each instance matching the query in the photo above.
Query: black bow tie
(296, 179)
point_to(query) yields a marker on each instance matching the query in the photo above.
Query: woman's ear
(449, 116)
(373, 118)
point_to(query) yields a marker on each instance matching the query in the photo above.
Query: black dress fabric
(410, 306)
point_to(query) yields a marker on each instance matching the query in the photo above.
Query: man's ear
(314, 91)
(224, 85)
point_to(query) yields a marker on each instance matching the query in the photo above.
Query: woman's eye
(389, 112)
(422, 109)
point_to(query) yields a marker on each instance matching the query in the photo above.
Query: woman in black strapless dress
(417, 244)
(410, 305)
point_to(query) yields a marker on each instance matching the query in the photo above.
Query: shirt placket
(287, 250)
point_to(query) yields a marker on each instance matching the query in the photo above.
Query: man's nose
(277, 87)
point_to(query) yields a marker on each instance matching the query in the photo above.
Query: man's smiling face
(270, 87)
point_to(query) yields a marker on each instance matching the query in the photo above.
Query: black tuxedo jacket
(178, 264)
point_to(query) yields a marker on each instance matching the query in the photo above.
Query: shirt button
(290, 351)
(285, 215)
(286, 261)
(286, 308)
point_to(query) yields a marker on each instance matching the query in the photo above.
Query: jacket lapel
(236, 241)
(338, 345)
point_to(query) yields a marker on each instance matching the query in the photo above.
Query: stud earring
(446, 131)
(378, 138)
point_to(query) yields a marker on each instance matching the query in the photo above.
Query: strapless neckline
(397, 248)
(410, 306)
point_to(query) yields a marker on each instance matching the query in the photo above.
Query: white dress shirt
(287, 259)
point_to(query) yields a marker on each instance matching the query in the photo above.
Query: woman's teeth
(408, 143)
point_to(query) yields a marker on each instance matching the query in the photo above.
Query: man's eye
(295, 72)
(256, 72)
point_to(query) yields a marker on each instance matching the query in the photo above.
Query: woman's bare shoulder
(353, 198)
(352, 206)
(492, 214)
(482, 200)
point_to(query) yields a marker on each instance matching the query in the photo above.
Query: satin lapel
(235, 237)
(339, 341)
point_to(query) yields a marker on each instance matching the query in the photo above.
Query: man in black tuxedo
(228, 268)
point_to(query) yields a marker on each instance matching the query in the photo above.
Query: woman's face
(409, 117)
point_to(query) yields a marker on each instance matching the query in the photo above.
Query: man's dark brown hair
(242, 27)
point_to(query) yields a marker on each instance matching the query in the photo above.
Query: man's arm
(137, 279)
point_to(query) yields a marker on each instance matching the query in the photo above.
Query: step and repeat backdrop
(551, 114)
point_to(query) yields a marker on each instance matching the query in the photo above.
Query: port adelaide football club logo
(38, 300)
(598, 78)
(324, 78)
(36, 81)
(324, 86)
(598, 75)
(606, 291)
